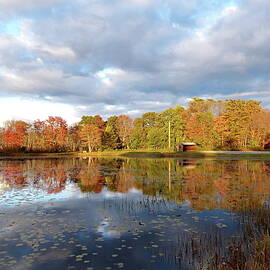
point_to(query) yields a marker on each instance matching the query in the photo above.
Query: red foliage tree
(55, 132)
(14, 134)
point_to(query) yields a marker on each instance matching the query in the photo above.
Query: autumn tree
(15, 134)
(216, 107)
(199, 129)
(36, 138)
(199, 121)
(221, 131)
(124, 126)
(1, 139)
(239, 118)
(55, 132)
(259, 129)
(91, 129)
(73, 138)
(91, 137)
(212, 124)
(92, 120)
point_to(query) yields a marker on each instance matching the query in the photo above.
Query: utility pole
(169, 172)
(169, 137)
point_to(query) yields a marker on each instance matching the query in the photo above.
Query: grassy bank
(148, 154)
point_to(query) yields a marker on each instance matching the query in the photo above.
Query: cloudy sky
(86, 57)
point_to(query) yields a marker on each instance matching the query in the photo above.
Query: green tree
(111, 138)
(154, 138)
(138, 135)
(92, 120)
(177, 126)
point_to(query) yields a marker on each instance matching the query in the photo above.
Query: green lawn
(146, 153)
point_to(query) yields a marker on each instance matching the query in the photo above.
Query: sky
(85, 57)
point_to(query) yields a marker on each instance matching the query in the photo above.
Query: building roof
(188, 143)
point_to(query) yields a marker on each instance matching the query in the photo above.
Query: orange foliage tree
(91, 137)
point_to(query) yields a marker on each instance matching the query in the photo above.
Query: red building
(267, 146)
(188, 146)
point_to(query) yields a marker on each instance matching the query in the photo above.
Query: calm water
(130, 213)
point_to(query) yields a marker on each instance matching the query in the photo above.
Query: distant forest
(212, 124)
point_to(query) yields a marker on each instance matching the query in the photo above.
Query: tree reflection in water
(149, 187)
(206, 184)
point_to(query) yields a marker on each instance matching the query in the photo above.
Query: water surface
(131, 213)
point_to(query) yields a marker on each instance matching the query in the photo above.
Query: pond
(143, 214)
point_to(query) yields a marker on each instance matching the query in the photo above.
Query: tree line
(233, 124)
(170, 179)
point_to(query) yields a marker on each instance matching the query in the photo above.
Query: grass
(142, 153)
(147, 153)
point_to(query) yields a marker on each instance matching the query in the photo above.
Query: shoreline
(258, 155)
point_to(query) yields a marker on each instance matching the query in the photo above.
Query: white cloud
(112, 57)
(27, 110)
(32, 43)
(229, 10)
(12, 7)
(141, 2)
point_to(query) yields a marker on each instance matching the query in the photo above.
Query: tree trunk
(89, 147)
